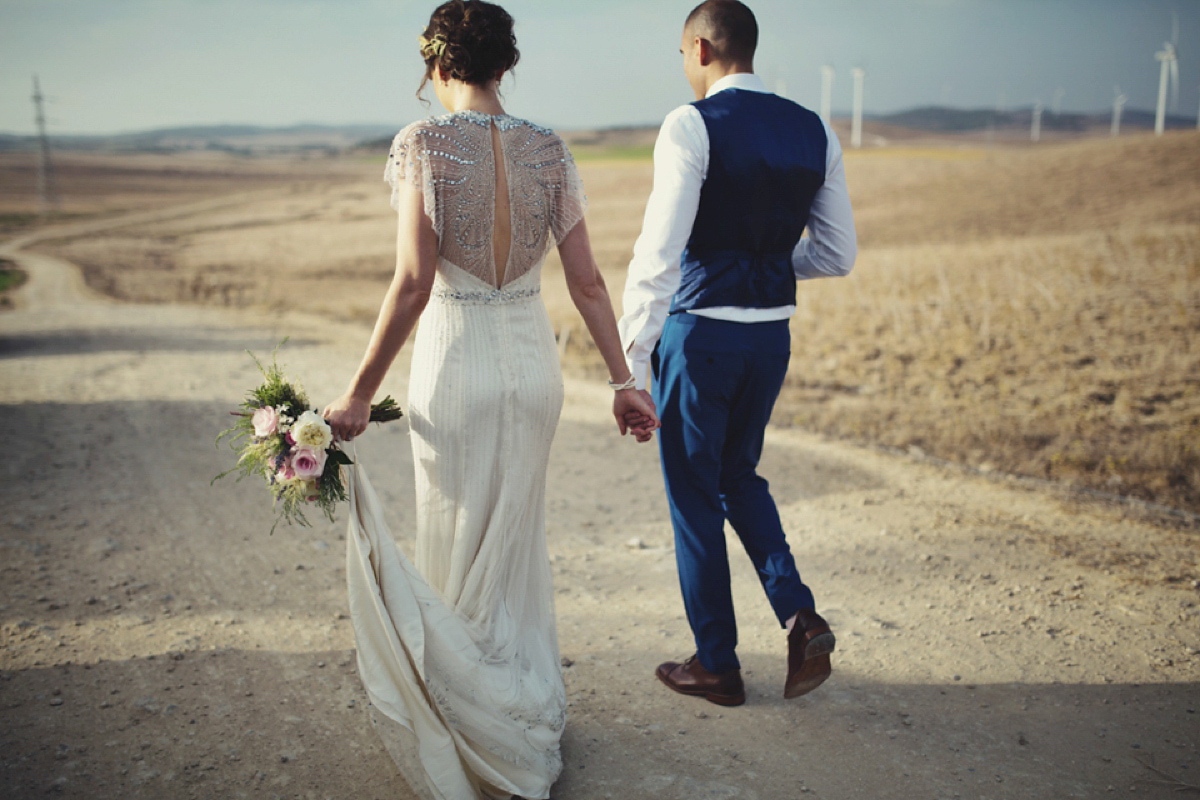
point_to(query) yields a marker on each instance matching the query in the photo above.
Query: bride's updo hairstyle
(472, 41)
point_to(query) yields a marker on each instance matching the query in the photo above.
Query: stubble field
(1026, 311)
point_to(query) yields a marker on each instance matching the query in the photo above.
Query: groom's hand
(639, 423)
(635, 413)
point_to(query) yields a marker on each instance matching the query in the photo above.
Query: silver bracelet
(629, 384)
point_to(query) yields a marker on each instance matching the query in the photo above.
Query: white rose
(312, 431)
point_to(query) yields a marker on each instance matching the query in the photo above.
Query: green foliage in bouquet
(257, 454)
(295, 474)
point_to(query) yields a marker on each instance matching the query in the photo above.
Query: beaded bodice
(452, 160)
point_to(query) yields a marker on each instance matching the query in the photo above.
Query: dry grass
(10, 279)
(1069, 357)
(1031, 310)
(325, 246)
(922, 196)
(90, 185)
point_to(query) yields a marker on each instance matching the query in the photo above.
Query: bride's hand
(635, 413)
(348, 417)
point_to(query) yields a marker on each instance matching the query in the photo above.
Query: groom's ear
(705, 48)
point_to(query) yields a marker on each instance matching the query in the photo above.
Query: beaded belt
(489, 298)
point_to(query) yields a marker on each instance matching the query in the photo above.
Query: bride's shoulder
(465, 129)
(534, 138)
(423, 127)
(507, 121)
(456, 127)
(532, 127)
(413, 130)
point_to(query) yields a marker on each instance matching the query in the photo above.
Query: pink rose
(285, 472)
(266, 421)
(308, 462)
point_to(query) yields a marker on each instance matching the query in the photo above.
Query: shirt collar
(738, 80)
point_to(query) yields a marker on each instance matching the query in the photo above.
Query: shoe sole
(719, 699)
(814, 669)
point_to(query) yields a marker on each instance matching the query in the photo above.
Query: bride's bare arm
(416, 264)
(590, 296)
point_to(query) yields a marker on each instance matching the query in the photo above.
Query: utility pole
(47, 198)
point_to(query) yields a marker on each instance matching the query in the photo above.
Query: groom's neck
(716, 71)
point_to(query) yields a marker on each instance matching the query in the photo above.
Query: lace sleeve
(408, 161)
(570, 202)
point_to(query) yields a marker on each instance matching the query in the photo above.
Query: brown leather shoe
(809, 645)
(691, 678)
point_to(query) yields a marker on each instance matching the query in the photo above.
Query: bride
(457, 649)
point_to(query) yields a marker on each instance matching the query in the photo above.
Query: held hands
(348, 417)
(635, 413)
(641, 427)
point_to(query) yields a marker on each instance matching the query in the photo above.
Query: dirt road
(155, 642)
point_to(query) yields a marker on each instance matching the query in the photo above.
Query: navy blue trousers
(715, 384)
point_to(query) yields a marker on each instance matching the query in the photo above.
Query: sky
(112, 66)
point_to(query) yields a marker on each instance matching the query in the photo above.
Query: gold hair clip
(432, 48)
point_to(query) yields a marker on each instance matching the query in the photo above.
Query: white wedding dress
(458, 651)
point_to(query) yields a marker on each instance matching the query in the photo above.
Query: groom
(738, 176)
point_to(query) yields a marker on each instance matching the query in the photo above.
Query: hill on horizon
(249, 140)
(620, 140)
(941, 119)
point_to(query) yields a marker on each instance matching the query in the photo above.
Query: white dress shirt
(680, 167)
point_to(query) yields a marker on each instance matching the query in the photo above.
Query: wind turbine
(826, 91)
(1118, 104)
(1168, 73)
(856, 121)
(1035, 127)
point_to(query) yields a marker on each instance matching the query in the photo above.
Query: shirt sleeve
(831, 246)
(680, 165)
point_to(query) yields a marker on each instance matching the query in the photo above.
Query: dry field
(1020, 310)
(98, 185)
(1034, 312)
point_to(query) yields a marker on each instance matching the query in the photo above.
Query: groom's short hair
(729, 26)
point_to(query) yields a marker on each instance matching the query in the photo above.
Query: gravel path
(155, 642)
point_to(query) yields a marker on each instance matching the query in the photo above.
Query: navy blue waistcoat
(766, 161)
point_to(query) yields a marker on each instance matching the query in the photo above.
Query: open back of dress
(457, 648)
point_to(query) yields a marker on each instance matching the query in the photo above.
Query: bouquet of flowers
(279, 437)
